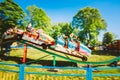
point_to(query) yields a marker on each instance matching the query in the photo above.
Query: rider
(66, 42)
(77, 46)
(29, 27)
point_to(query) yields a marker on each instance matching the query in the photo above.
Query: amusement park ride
(42, 41)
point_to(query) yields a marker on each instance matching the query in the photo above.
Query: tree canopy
(11, 14)
(108, 38)
(55, 31)
(86, 24)
(61, 28)
(89, 22)
(66, 28)
(38, 17)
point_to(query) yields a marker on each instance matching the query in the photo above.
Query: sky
(64, 10)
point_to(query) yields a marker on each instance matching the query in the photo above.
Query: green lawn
(36, 57)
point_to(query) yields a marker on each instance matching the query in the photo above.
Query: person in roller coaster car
(10, 31)
(35, 33)
(77, 46)
(77, 43)
(29, 27)
(66, 41)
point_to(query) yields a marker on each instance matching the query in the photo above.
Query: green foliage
(108, 38)
(11, 14)
(94, 43)
(76, 31)
(90, 23)
(66, 28)
(82, 36)
(38, 17)
(55, 31)
(24, 24)
(61, 28)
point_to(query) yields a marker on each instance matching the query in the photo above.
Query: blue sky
(64, 10)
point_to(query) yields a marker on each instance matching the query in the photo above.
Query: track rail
(76, 61)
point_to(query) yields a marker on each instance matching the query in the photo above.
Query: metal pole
(25, 53)
(54, 61)
(89, 73)
(21, 72)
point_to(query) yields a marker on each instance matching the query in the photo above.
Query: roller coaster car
(38, 38)
(11, 35)
(83, 53)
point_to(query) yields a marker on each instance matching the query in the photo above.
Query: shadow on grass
(106, 52)
(39, 62)
(11, 58)
(58, 63)
(50, 62)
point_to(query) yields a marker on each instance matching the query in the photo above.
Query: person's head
(77, 41)
(71, 34)
(15, 27)
(29, 25)
(74, 36)
(7, 32)
(66, 37)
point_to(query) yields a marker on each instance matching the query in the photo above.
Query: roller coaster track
(66, 58)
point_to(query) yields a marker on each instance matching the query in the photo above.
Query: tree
(55, 32)
(108, 38)
(61, 28)
(66, 28)
(38, 17)
(11, 15)
(90, 23)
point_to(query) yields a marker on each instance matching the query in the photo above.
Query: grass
(35, 54)
(36, 57)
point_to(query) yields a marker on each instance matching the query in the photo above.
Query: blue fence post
(89, 73)
(21, 72)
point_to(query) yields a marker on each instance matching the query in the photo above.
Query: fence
(32, 72)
